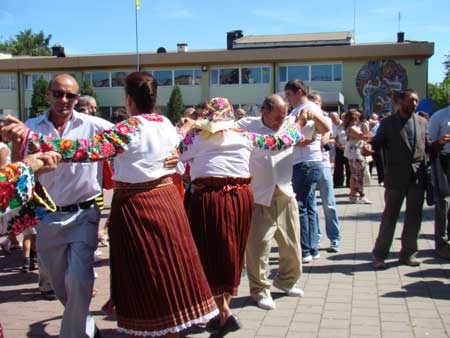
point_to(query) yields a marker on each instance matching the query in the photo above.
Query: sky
(108, 26)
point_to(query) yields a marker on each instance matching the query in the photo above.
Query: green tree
(28, 43)
(175, 106)
(447, 66)
(438, 92)
(87, 89)
(39, 100)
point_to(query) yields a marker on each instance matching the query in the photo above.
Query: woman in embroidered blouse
(133, 146)
(221, 205)
(158, 285)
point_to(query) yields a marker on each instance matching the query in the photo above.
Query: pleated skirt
(220, 214)
(157, 281)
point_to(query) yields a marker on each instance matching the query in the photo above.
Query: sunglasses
(60, 94)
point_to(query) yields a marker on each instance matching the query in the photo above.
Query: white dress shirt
(269, 170)
(312, 151)
(71, 183)
(439, 125)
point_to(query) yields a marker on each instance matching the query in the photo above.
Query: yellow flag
(138, 4)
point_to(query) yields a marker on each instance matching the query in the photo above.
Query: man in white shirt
(67, 238)
(275, 215)
(438, 127)
(339, 138)
(307, 169)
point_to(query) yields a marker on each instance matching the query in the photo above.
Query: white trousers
(66, 243)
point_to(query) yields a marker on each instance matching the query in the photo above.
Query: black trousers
(340, 163)
(378, 163)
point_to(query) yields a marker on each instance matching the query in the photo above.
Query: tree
(39, 100)
(447, 66)
(28, 43)
(438, 92)
(175, 106)
(87, 89)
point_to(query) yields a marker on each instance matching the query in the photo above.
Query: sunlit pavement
(344, 296)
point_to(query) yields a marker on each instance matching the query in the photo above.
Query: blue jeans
(304, 180)
(332, 226)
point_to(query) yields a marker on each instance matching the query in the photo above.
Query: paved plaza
(344, 296)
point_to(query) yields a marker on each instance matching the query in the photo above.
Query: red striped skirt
(157, 281)
(220, 214)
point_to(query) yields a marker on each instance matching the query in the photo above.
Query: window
(229, 76)
(298, 73)
(255, 75)
(337, 72)
(7, 82)
(118, 79)
(321, 73)
(215, 76)
(187, 77)
(283, 74)
(30, 79)
(164, 77)
(100, 79)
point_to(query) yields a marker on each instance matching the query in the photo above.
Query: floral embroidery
(21, 201)
(101, 146)
(152, 118)
(279, 141)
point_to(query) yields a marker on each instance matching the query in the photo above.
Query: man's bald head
(62, 92)
(274, 110)
(335, 118)
(64, 78)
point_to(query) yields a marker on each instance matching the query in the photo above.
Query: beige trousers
(281, 222)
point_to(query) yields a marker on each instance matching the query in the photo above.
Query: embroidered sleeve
(108, 144)
(186, 141)
(280, 141)
(16, 186)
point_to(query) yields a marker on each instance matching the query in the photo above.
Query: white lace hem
(173, 329)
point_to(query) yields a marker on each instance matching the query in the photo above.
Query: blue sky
(108, 26)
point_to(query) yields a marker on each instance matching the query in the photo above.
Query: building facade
(252, 67)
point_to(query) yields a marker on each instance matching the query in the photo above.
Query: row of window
(8, 82)
(181, 77)
(311, 73)
(192, 77)
(253, 75)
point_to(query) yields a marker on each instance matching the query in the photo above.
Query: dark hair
(270, 103)
(405, 93)
(142, 88)
(295, 86)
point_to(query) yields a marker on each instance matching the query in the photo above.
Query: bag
(108, 183)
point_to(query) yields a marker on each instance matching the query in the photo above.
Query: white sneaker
(316, 256)
(266, 303)
(292, 292)
(307, 259)
(363, 200)
(97, 255)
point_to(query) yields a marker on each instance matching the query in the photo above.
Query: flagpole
(137, 38)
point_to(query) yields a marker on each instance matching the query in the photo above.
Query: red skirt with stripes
(157, 281)
(220, 214)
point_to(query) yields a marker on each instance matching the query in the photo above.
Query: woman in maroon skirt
(221, 206)
(157, 282)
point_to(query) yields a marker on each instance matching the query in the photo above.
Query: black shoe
(231, 324)
(213, 324)
(26, 265)
(49, 295)
(97, 333)
(33, 260)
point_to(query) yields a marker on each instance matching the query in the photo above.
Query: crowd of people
(177, 251)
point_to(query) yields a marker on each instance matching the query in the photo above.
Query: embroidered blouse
(22, 202)
(140, 145)
(227, 153)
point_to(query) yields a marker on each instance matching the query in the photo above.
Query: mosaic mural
(377, 83)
